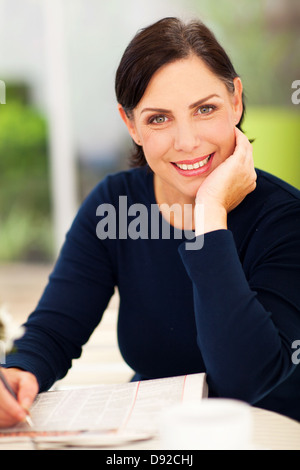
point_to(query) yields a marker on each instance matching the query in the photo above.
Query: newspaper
(132, 407)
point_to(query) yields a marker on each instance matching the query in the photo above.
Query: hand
(233, 179)
(26, 388)
(226, 187)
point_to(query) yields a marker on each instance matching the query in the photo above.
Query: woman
(219, 293)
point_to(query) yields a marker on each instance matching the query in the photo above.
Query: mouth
(194, 167)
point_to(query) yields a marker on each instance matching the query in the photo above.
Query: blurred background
(60, 132)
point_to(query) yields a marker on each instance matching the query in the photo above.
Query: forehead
(185, 79)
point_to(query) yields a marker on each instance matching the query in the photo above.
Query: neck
(176, 208)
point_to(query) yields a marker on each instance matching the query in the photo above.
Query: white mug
(212, 424)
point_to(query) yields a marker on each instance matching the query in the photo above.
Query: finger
(28, 389)
(243, 146)
(240, 136)
(10, 409)
(244, 151)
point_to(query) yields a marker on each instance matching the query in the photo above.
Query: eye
(206, 109)
(159, 119)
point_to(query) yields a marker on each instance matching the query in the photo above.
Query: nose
(186, 138)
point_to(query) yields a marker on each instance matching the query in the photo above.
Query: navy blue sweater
(230, 308)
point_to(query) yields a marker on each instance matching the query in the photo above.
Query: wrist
(209, 217)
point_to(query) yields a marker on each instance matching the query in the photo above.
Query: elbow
(249, 384)
(238, 389)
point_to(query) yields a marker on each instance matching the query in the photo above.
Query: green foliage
(24, 237)
(276, 147)
(24, 183)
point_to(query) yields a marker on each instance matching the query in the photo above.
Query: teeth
(183, 166)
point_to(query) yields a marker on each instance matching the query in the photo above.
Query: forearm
(71, 306)
(244, 353)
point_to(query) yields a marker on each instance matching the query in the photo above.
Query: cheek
(156, 144)
(222, 134)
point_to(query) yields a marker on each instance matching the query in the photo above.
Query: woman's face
(185, 123)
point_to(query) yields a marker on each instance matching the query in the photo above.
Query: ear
(237, 99)
(129, 124)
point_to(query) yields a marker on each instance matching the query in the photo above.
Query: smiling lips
(193, 167)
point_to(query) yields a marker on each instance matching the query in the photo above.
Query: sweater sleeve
(72, 304)
(247, 314)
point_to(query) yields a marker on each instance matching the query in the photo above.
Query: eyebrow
(194, 105)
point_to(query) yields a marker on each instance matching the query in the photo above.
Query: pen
(10, 390)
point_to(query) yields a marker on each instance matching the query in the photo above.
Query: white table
(274, 431)
(271, 431)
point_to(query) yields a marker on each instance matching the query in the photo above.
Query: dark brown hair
(159, 44)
